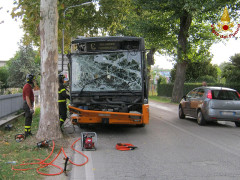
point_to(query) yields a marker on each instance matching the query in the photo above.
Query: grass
(161, 99)
(21, 152)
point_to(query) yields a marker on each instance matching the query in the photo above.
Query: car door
(189, 97)
(196, 102)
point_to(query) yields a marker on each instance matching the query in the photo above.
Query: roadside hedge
(166, 89)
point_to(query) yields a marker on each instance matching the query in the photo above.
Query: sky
(11, 34)
(221, 53)
(10, 31)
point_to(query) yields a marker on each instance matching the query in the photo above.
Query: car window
(225, 95)
(192, 93)
(200, 93)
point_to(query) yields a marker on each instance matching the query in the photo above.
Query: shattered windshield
(107, 72)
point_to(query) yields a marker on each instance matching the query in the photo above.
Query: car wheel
(237, 124)
(200, 119)
(181, 113)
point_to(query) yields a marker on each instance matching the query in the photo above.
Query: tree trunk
(179, 82)
(185, 23)
(49, 126)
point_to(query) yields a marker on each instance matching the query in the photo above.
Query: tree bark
(49, 126)
(185, 23)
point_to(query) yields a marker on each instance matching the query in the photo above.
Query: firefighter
(62, 97)
(28, 100)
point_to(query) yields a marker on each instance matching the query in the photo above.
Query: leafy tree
(190, 30)
(79, 21)
(197, 71)
(235, 60)
(24, 62)
(222, 65)
(231, 70)
(3, 77)
(178, 28)
(162, 80)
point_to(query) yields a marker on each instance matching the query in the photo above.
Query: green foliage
(78, 20)
(189, 34)
(231, 70)
(25, 61)
(235, 60)
(161, 99)
(162, 80)
(198, 72)
(3, 77)
(166, 89)
(207, 78)
(84, 20)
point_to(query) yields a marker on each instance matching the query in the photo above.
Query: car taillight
(209, 94)
(238, 94)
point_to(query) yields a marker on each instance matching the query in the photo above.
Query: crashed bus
(108, 81)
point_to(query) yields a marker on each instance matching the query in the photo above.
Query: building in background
(2, 63)
(156, 73)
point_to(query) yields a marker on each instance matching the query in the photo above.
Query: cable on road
(44, 164)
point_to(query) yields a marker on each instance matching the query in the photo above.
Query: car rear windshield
(225, 95)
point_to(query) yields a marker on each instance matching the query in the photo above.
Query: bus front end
(108, 81)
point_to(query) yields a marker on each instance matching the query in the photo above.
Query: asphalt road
(168, 149)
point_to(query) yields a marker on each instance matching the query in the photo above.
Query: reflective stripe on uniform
(61, 91)
(61, 120)
(61, 100)
(27, 128)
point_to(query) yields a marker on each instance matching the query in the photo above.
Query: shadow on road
(217, 124)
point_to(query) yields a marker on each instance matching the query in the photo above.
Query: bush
(166, 89)
(207, 78)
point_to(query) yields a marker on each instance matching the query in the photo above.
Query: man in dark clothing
(28, 99)
(62, 97)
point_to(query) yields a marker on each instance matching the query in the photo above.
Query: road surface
(168, 149)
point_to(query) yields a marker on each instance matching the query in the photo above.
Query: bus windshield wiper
(91, 82)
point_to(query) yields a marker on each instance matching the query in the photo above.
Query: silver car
(211, 104)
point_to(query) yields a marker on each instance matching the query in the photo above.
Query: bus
(108, 81)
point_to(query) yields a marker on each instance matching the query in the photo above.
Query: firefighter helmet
(61, 77)
(30, 78)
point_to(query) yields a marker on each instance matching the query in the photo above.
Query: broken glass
(117, 71)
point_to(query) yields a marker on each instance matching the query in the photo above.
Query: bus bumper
(80, 116)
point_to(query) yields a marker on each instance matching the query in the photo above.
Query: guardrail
(10, 103)
(14, 102)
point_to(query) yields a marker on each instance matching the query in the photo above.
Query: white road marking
(78, 159)
(89, 166)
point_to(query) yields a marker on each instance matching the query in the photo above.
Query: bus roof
(106, 38)
(110, 39)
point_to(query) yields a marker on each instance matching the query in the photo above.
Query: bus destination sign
(101, 46)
